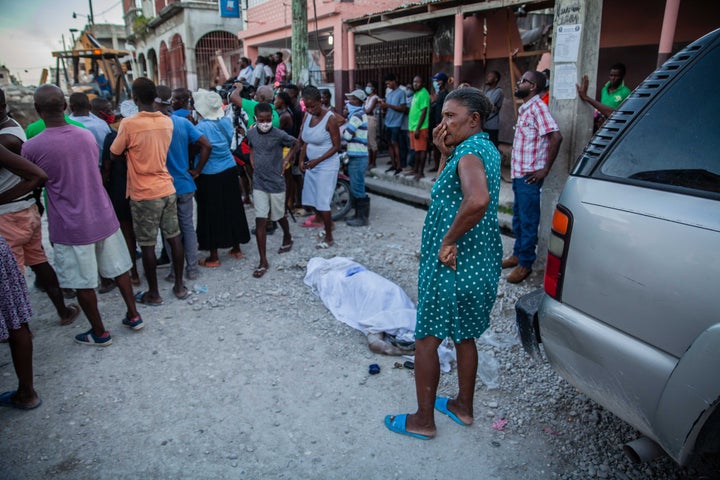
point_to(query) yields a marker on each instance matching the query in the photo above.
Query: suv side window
(676, 143)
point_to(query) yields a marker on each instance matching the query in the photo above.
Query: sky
(31, 29)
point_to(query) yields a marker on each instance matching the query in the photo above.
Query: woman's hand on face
(448, 255)
(439, 134)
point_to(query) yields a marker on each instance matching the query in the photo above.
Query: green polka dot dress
(457, 303)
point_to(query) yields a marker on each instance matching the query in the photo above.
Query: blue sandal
(396, 423)
(441, 406)
(6, 401)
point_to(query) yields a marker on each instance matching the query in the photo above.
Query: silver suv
(630, 312)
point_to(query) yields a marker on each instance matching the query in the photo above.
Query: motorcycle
(341, 202)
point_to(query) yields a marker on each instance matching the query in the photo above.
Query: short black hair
(619, 66)
(144, 89)
(391, 77)
(164, 92)
(311, 92)
(496, 73)
(2, 97)
(100, 104)
(540, 80)
(263, 107)
(279, 54)
(293, 87)
(285, 98)
(79, 101)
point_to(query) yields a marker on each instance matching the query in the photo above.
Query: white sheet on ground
(365, 301)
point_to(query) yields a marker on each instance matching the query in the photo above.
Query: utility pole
(574, 117)
(299, 40)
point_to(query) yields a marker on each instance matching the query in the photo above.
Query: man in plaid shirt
(536, 144)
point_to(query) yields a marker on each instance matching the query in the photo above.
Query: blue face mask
(436, 86)
(352, 109)
(368, 90)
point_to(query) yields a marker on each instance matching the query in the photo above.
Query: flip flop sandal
(140, 298)
(238, 255)
(209, 263)
(324, 245)
(285, 248)
(182, 296)
(259, 272)
(6, 401)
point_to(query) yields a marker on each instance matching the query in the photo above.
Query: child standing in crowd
(266, 147)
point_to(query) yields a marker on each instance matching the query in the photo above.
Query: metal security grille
(176, 75)
(404, 58)
(206, 51)
(164, 63)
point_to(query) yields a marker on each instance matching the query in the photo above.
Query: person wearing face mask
(266, 156)
(355, 134)
(536, 144)
(372, 108)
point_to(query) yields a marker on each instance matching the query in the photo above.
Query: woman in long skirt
(221, 221)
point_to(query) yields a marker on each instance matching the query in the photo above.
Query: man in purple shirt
(81, 220)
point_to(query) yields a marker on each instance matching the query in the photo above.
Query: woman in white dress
(320, 146)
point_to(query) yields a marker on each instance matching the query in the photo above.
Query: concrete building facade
(181, 43)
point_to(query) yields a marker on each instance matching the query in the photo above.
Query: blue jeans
(526, 219)
(185, 209)
(356, 172)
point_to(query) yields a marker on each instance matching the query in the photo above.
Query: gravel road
(255, 379)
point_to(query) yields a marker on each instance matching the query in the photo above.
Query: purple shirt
(79, 209)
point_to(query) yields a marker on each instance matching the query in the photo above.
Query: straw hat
(208, 104)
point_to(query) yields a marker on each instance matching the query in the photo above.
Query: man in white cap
(145, 139)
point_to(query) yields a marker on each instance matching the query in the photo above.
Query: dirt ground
(253, 379)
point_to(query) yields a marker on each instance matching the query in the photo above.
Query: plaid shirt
(530, 147)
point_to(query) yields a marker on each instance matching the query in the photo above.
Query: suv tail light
(557, 251)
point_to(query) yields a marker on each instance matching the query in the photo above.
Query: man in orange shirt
(145, 139)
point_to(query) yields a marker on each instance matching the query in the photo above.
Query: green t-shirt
(39, 125)
(615, 98)
(249, 107)
(420, 101)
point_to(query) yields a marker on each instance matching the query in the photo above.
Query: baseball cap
(440, 76)
(359, 94)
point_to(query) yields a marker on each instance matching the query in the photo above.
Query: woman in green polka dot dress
(460, 260)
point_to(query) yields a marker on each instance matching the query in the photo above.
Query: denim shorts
(392, 134)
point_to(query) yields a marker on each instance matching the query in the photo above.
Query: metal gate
(206, 52)
(405, 58)
(177, 76)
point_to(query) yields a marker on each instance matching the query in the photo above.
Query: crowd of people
(119, 181)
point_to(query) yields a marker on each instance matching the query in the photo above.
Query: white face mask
(368, 90)
(264, 126)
